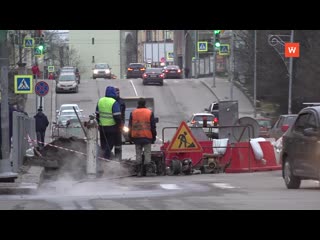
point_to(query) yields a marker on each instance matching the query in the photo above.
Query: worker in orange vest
(142, 131)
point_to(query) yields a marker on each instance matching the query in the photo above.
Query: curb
(27, 182)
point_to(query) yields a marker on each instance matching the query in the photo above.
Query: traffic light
(217, 38)
(39, 49)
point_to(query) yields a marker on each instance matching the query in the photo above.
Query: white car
(196, 120)
(64, 107)
(65, 115)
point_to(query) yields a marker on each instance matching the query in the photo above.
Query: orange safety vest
(141, 127)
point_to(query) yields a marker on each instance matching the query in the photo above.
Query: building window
(148, 36)
(93, 41)
(168, 35)
(92, 59)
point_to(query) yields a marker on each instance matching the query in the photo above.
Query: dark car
(265, 125)
(153, 75)
(101, 70)
(135, 70)
(301, 150)
(172, 71)
(281, 126)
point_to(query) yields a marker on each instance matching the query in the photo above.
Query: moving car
(75, 70)
(101, 70)
(153, 75)
(172, 71)
(135, 70)
(67, 82)
(300, 148)
(197, 120)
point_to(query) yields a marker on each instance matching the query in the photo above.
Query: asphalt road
(175, 102)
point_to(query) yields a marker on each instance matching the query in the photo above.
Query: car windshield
(101, 66)
(154, 70)
(68, 113)
(264, 123)
(290, 120)
(69, 108)
(136, 65)
(67, 77)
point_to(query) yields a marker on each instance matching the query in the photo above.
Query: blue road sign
(23, 84)
(42, 88)
(202, 46)
(28, 43)
(224, 49)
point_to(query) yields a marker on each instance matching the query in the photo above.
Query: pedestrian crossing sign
(202, 46)
(184, 141)
(23, 84)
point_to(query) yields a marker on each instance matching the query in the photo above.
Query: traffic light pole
(214, 61)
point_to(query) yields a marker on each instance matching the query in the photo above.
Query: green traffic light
(217, 31)
(40, 47)
(217, 44)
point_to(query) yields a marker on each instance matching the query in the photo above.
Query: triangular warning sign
(23, 85)
(184, 141)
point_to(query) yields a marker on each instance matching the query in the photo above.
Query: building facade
(96, 46)
(156, 47)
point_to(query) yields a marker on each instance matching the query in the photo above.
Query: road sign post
(41, 89)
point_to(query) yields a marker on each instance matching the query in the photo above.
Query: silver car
(101, 70)
(67, 82)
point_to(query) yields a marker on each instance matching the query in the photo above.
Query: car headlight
(107, 71)
(125, 129)
(95, 71)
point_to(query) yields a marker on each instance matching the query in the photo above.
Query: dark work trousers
(107, 140)
(118, 146)
(40, 138)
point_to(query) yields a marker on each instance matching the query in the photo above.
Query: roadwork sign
(184, 141)
(23, 84)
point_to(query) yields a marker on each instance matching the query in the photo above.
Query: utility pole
(231, 65)
(290, 77)
(195, 54)
(255, 74)
(164, 45)
(214, 60)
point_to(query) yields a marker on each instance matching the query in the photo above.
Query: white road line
(223, 185)
(134, 88)
(169, 186)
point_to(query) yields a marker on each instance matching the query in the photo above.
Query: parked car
(67, 82)
(281, 125)
(214, 109)
(101, 70)
(153, 75)
(75, 70)
(300, 151)
(197, 120)
(265, 125)
(69, 107)
(135, 70)
(172, 71)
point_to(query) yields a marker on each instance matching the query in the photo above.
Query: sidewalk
(222, 92)
(30, 177)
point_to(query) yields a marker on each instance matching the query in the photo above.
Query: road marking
(169, 186)
(134, 88)
(223, 185)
